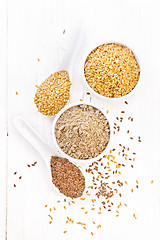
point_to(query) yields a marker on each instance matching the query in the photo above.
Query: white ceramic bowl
(55, 141)
(90, 88)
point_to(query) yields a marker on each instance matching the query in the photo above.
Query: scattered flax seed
(125, 204)
(131, 138)
(80, 223)
(38, 60)
(50, 222)
(64, 207)
(107, 111)
(152, 181)
(54, 208)
(128, 131)
(122, 111)
(126, 102)
(64, 231)
(99, 226)
(50, 217)
(14, 185)
(45, 205)
(50, 209)
(15, 173)
(88, 93)
(64, 31)
(85, 228)
(58, 201)
(137, 181)
(82, 207)
(94, 223)
(81, 100)
(134, 216)
(92, 233)
(117, 215)
(53, 94)
(106, 66)
(99, 212)
(16, 93)
(82, 199)
(28, 165)
(86, 212)
(132, 190)
(136, 186)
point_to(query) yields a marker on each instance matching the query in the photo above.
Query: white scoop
(36, 141)
(46, 152)
(72, 49)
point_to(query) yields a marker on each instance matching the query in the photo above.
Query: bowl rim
(85, 55)
(75, 160)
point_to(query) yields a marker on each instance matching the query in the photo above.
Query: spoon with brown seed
(66, 176)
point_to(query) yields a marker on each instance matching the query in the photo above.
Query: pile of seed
(106, 189)
(82, 132)
(53, 94)
(67, 177)
(112, 70)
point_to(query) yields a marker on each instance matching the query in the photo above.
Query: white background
(34, 29)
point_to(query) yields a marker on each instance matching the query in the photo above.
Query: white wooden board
(35, 30)
(3, 118)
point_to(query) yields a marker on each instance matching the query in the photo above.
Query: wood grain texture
(35, 30)
(3, 118)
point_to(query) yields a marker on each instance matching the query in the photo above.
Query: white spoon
(36, 141)
(46, 152)
(75, 42)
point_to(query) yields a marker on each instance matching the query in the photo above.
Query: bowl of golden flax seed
(81, 131)
(111, 71)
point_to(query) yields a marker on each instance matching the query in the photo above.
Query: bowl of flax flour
(81, 131)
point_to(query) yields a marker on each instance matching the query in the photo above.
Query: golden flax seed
(112, 70)
(53, 94)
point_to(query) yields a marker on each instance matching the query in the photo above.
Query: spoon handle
(72, 50)
(34, 139)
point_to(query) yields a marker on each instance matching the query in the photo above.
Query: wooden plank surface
(35, 30)
(3, 118)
